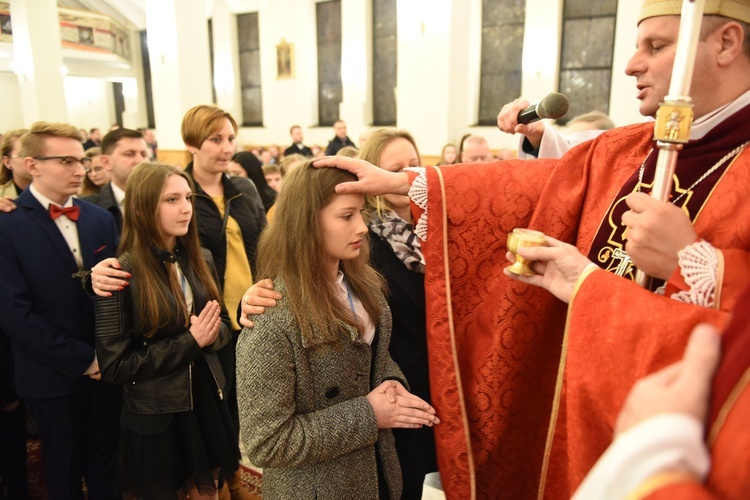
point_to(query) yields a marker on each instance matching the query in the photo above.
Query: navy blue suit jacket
(46, 312)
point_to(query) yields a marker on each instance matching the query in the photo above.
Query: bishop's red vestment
(495, 344)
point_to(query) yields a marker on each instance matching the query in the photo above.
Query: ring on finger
(247, 299)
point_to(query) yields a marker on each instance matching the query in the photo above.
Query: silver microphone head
(554, 105)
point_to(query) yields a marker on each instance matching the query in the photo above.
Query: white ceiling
(132, 13)
(129, 13)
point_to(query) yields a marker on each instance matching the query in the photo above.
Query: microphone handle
(529, 115)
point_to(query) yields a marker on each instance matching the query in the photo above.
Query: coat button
(332, 392)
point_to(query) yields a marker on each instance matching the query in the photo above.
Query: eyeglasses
(68, 161)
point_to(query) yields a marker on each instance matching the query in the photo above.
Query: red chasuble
(495, 344)
(728, 430)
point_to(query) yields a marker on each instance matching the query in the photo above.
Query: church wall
(10, 96)
(438, 76)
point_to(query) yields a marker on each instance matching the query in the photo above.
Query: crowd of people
(351, 319)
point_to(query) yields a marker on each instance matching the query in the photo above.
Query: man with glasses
(47, 242)
(122, 150)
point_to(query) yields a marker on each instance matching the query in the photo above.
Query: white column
(38, 60)
(435, 47)
(180, 64)
(356, 65)
(134, 88)
(226, 59)
(541, 49)
(464, 75)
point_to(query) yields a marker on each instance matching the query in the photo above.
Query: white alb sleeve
(667, 442)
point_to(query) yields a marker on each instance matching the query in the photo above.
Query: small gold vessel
(519, 238)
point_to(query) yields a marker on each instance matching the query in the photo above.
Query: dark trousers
(228, 359)
(13, 452)
(79, 435)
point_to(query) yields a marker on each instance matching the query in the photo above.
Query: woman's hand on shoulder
(107, 277)
(205, 327)
(395, 407)
(7, 205)
(256, 299)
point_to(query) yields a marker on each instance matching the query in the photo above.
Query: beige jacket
(8, 190)
(304, 415)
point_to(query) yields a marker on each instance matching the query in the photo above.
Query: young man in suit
(47, 242)
(122, 150)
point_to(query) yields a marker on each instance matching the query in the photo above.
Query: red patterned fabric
(729, 477)
(508, 335)
(618, 333)
(735, 356)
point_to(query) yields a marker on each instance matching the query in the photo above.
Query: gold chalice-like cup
(520, 238)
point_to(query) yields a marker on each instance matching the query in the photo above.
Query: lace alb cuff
(699, 263)
(418, 194)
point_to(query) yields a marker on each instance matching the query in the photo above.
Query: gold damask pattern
(508, 335)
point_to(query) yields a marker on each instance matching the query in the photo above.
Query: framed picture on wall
(284, 60)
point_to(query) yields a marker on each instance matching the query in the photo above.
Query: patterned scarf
(400, 235)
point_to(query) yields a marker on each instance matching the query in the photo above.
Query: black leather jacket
(242, 201)
(156, 372)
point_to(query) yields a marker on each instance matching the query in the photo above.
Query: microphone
(555, 105)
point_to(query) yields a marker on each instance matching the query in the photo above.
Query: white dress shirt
(67, 227)
(119, 197)
(359, 309)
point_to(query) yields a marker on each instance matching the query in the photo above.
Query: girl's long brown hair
(293, 248)
(140, 232)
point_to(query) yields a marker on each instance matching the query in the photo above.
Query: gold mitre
(733, 9)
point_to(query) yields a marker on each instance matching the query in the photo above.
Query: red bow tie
(70, 212)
